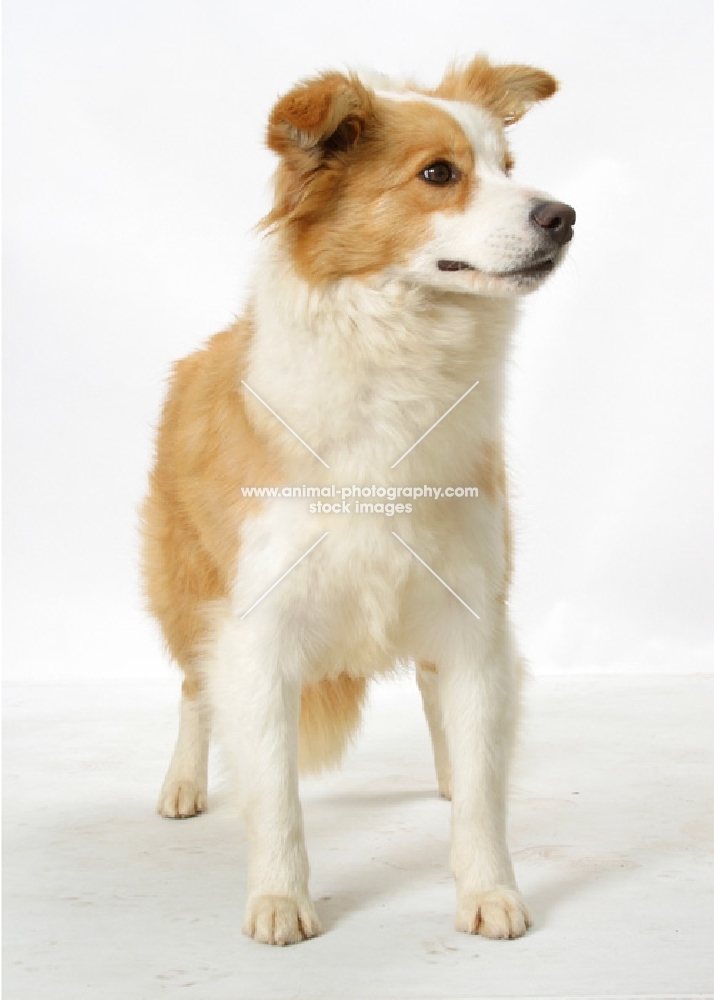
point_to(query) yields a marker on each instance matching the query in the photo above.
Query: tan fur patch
(206, 450)
(506, 91)
(330, 713)
(314, 111)
(486, 471)
(191, 687)
(355, 211)
(301, 130)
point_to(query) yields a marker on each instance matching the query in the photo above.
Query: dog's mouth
(537, 270)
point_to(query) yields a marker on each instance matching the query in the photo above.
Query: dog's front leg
(256, 698)
(479, 704)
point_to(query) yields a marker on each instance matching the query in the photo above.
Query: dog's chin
(513, 281)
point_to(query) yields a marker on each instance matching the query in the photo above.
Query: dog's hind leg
(429, 686)
(185, 789)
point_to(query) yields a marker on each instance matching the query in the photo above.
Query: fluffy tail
(330, 713)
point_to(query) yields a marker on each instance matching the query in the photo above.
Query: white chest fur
(360, 372)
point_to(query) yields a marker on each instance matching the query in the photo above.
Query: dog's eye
(440, 172)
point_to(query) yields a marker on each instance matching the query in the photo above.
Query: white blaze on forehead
(478, 126)
(492, 234)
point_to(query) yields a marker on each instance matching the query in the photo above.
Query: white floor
(611, 832)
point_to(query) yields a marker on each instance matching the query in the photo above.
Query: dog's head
(375, 177)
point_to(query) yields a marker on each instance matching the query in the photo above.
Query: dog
(371, 359)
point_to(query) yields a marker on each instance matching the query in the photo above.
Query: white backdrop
(133, 173)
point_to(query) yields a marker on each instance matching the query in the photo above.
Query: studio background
(134, 171)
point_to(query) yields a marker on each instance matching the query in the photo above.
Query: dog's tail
(330, 713)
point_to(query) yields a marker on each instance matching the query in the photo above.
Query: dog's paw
(181, 799)
(498, 913)
(280, 919)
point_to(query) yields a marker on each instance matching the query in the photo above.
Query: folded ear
(314, 129)
(508, 91)
(320, 116)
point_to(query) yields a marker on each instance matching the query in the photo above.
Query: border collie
(370, 362)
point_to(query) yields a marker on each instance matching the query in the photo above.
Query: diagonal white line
(287, 571)
(287, 426)
(436, 575)
(436, 422)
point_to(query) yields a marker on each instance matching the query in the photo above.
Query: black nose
(557, 218)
